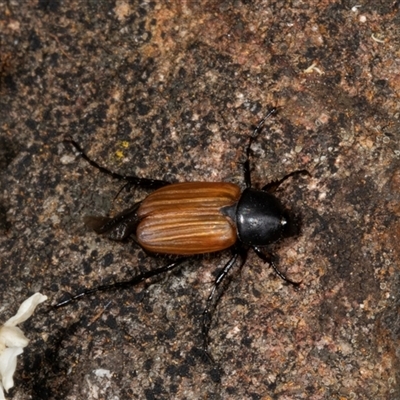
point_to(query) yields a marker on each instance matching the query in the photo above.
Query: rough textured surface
(170, 90)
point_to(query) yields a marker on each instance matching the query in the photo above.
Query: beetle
(185, 219)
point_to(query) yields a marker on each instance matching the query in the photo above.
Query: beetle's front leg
(272, 186)
(268, 258)
(256, 132)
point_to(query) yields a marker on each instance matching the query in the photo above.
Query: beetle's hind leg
(122, 284)
(119, 227)
(220, 285)
(145, 183)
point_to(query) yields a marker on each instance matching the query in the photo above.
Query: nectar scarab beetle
(191, 218)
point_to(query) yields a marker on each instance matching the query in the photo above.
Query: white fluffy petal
(2, 392)
(13, 340)
(12, 336)
(8, 364)
(26, 309)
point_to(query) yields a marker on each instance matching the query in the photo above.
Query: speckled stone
(172, 90)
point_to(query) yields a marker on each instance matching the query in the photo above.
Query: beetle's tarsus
(208, 357)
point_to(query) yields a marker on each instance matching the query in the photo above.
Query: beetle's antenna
(145, 183)
(256, 132)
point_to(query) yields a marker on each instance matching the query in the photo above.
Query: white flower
(13, 340)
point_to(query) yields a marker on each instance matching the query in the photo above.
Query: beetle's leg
(217, 292)
(122, 284)
(256, 132)
(268, 259)
(119, 227)
(145, 183)
(272, 186)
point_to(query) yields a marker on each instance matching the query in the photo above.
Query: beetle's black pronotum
(186, 219)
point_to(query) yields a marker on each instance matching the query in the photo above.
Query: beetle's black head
(260, 218)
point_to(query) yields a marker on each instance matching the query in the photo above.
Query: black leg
(145, 183)
(119, 227)
(256, 132)
(268, 259)
(272, 186)
(123, 284)
(216, 294)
